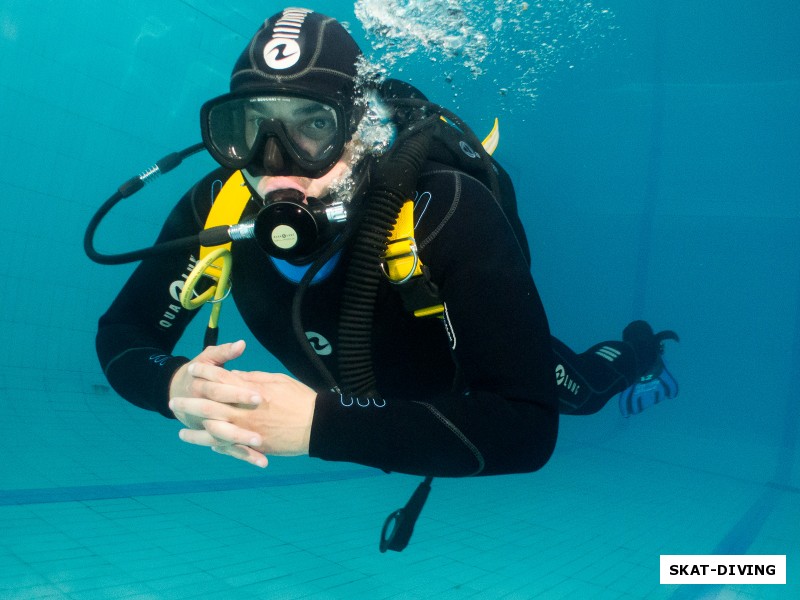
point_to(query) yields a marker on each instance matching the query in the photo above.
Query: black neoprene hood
(302, 51)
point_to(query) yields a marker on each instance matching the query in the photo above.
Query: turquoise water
(656, 161)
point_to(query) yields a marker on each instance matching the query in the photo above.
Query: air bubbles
(517, 43)
(376, 131)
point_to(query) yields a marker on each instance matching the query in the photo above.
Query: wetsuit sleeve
(504, 418)
(137, 334)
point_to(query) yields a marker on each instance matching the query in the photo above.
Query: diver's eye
(317, 127)
(253, 124)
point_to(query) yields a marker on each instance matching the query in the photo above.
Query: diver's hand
(280, 425)
(222, 387)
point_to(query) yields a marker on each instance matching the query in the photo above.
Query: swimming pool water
(657, 178)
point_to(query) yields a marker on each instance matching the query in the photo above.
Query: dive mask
(306, 135)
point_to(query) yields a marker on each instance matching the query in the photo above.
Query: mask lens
(312, 132)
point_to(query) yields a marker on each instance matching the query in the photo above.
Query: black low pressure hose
(395, 180)
(127, 189)
(299, 296)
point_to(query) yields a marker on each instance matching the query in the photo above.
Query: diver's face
(316, 187)
(312, 127)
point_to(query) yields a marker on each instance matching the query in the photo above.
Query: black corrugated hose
(395, 181)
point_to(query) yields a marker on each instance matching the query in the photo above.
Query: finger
(208, 371)
(243, 453)
(218, 384)
(203, 438)
(202, 408)
(219, 355)
(197, 437)
(231, 434)
(200, 370)
(226, 394)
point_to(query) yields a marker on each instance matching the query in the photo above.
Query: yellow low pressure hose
(216, 265)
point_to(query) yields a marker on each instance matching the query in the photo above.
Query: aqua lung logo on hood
(283, 51)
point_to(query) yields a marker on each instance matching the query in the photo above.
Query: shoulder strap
(215, 261)
(227, 209)
(402, 264)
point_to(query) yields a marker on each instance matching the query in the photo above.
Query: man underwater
(474, 389)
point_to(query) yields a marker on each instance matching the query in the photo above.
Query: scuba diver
(394, 284)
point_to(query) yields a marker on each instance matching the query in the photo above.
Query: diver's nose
(274, 161)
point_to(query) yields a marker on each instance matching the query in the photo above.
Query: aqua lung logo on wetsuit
(565, 380)
(283, 51)
(175, 289)
(318, 342)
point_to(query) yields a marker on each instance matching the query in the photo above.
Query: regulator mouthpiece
(293, 227)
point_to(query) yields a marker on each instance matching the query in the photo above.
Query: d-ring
(413, 252)
(227, 293)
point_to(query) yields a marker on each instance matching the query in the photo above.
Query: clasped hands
(246, 415)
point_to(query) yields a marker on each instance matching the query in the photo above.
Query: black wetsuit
(472, 394)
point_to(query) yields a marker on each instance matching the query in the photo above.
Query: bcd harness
(402, 265)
